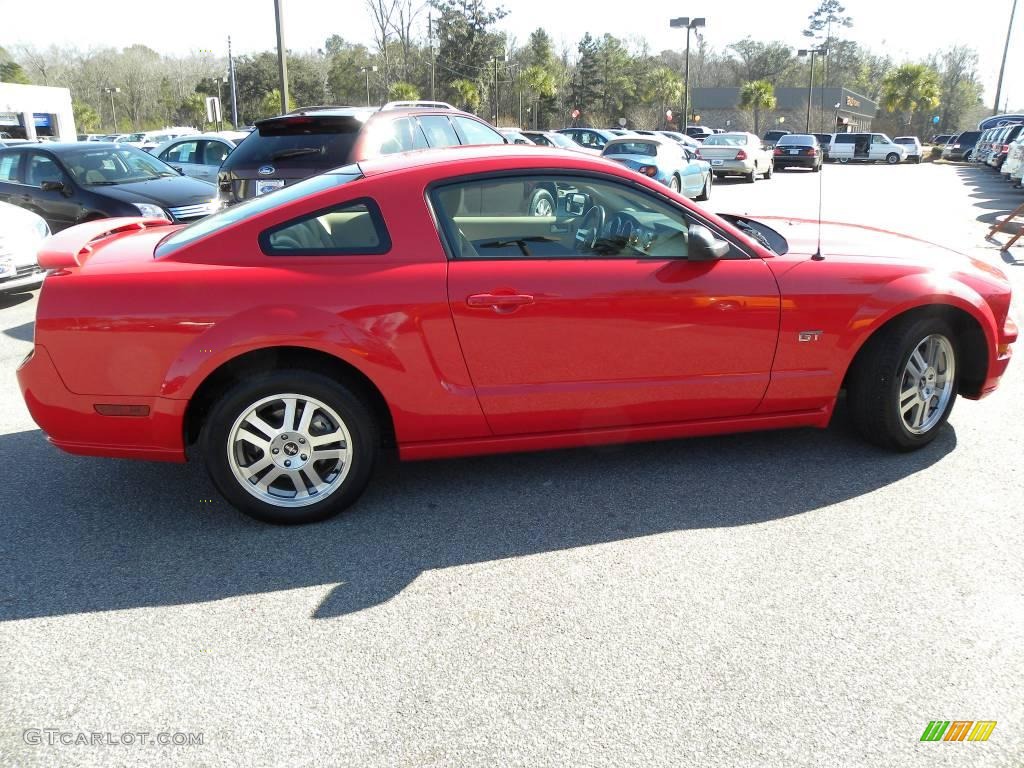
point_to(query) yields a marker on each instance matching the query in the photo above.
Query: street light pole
(1002, 67)
(366, 71)
(495, 91)
(113, 109)
(690, 24)
(281, 63)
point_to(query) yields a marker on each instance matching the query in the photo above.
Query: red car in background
(426, 302)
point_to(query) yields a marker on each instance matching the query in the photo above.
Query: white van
(869, 147)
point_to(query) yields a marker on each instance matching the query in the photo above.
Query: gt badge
(809, 335)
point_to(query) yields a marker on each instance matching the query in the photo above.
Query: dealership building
(832, 110)
(36, 111)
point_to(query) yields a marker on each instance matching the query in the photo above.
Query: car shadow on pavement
(991, 193)
(13, 299)
(23, 332)
(83, 535)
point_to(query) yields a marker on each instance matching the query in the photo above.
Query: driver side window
(558, 217)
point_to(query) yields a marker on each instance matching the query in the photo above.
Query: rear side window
(322, 142)
(438, 130)
(645, 148)
(182, 153)
(474, 132)
(845, 138)
(353, 228)
(9, 164)
(255, 207)
(391, 136)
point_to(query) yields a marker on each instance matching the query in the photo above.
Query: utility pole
(495, 91)
(281, 63)
(430, 36)
(234, 96)
(1002, 66)
(366, 71)
(810, 82)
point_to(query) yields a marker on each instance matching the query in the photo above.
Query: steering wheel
(590, 229)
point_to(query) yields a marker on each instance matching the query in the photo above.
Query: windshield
(103, 167)
(255, 207)
(645, 148)
(725, 140)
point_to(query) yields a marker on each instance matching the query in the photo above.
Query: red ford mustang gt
(430, 301)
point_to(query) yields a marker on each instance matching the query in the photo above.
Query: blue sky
(906, 30)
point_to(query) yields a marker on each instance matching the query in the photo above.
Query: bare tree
(382, 14)
(406, 13)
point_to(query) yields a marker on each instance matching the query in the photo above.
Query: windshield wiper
(281, 154)
(521, 242)
(101, 183)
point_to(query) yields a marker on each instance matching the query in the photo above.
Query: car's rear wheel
(904, 383)
(675, 184)
(290, 447)
(705, 193)
(771, 169)
(752, 176)
(844, 160)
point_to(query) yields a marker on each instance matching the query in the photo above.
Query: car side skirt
(641, 433)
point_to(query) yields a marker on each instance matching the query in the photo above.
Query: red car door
(569, 323)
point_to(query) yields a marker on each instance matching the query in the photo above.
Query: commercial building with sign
(719, 108)
(36, 111)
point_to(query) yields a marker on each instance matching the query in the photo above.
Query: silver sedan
(199, 155)
(737, 154)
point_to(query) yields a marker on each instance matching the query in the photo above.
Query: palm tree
(757, 95)
(401, 91)
(666, 87)
(909, 88)
(468, 93)
(539, 80)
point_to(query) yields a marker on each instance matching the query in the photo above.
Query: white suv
(913, 145)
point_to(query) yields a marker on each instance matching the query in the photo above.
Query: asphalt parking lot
(777, 599)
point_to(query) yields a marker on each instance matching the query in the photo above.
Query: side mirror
(703, 245)
(52, 185)
(575, 203)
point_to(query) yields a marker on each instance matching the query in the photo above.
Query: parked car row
(994, 145)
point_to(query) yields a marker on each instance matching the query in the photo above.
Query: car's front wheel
(904, 383)
(892, 158)
(290, 447)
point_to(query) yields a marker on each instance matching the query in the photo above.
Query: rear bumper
(26, 283)
(796, 161)
(71, 422)
(732, 166)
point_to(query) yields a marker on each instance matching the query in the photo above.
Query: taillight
(648, 170)
(741, 155)
(1005, 149)
(776, 152)
(699, 155)
(812, 152)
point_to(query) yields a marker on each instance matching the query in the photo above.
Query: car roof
(508, 155)
(363, 113)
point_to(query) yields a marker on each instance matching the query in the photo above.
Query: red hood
(856, 240)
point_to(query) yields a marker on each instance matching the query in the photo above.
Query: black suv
(303, 143)
(70, 183)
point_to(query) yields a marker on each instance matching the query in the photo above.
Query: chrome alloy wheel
(289, 450)
(927, 383)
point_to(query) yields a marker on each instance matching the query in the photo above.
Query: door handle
(499, 302)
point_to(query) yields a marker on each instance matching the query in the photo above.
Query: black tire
(542, 203)
(354, 413)
(817, 168)
(675, 184)
(843, 160)
(892, 158)
(770, 171)
(705, 193)
(873, 387)
(752, 176)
